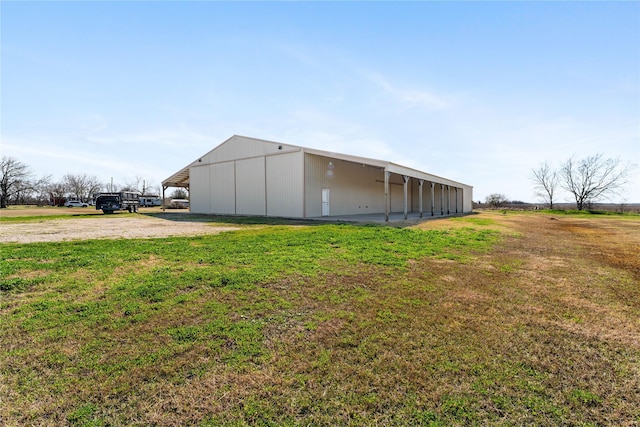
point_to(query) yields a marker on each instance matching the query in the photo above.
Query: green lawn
(282, 325)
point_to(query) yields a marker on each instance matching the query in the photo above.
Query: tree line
(19, 185)
(590, 180)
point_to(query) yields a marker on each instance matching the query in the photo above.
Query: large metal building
(248, 176)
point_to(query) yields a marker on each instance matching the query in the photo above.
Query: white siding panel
(239, 147)
(285, 185)
(467, 198)
(199, 193)
(250, 187)
(222, 184)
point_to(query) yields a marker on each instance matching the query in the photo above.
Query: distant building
(247, 176)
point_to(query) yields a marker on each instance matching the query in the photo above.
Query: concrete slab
(395, 219)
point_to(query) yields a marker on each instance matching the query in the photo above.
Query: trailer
(150, 200)
(124, 200)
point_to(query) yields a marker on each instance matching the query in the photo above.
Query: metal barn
(248, 176)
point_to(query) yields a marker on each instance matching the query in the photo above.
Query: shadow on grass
(364, 220)
(242, 220)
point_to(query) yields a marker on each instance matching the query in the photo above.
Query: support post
(405, 180)
(386, 196)
(420, 182)
(433, 198)
(441, 199)
(448, 199)
(163, 207)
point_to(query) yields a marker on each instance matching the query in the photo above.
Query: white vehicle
(150, 200)
(75, 204)
(179, 204)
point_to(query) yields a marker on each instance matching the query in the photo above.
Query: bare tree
(133, 185)
(82, 186)
(496, 200)
(179, 193)
(17, 181)
(546, 181)
(148, 187)
(594, 178)
(139, 184)
(111, 187)
(57, 193)
(94, 186)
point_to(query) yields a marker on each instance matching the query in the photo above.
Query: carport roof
(181, 178)
(178, 179)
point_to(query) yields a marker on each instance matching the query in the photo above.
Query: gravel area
(103, 227)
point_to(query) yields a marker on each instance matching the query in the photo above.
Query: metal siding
(414, 195)
(467, 199)
(355, 189)
(396, 191)
(313, 185)
(199, 193)
(437, 202)
(285, 185)
(250, 187)
(238, 147)
(427, 196)
(222, 185)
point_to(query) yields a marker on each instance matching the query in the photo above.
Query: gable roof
(181, 177)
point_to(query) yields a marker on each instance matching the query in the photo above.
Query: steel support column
(442, 199)
(386, 195)
(420, 182)
(433, 197)
(405, 180)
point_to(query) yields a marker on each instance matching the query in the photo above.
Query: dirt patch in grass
(118, 226)
(615, 243)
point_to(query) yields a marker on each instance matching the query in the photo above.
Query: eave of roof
(178, 179)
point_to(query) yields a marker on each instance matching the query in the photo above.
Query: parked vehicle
(179, 204)
(75, 204)
(150, 200)
(124, 200)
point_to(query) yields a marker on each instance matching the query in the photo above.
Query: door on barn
(325, 202)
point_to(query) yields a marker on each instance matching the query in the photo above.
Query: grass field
(487, 319)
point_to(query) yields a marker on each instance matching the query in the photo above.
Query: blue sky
(479, 92)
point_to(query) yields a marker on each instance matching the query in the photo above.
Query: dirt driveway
(104, 227)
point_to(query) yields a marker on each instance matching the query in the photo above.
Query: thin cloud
(158, 138)
(406, 98)
(63, 160)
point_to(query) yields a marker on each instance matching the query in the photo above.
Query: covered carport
(441, 196)
(178, 180)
